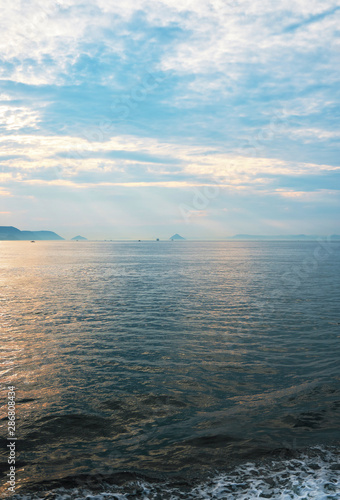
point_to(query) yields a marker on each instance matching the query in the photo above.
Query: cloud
(312, 134)
(47, 46)
(12, 118)
(159, 99)
(4, 192)
(321, 195)
(127, 160)
(310, 20)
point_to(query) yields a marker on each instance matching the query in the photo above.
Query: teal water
(170, 366)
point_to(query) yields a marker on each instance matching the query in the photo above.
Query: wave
(310, 474)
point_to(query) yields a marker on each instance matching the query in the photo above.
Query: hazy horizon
(166, 237)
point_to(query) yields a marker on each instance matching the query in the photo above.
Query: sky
(141, 119)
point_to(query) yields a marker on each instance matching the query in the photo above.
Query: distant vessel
(157, 239)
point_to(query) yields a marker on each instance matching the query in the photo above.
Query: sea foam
(313, 474)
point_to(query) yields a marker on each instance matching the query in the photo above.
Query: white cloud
(307, 105)
(311, 134)
(15, 118)
(44, 38)
(326, 196)
(194, 166)
(5, 192)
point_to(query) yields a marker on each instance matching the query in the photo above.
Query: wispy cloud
(311, 19)
(245, 95)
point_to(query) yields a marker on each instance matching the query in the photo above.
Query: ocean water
(173, 370)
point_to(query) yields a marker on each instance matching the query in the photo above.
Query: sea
(171, 369)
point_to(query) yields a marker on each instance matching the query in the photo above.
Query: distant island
(10, 233)
(79, 238)
(176, 237)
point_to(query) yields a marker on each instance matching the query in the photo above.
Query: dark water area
(172, 369)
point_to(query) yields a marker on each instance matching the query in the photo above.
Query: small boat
(32, 241)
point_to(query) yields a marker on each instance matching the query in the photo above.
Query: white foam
(313, 475)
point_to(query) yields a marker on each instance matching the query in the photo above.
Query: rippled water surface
(171, 361)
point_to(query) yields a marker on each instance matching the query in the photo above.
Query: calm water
(172, 369)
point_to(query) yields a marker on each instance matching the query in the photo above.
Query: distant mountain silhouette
(279, 237)
(176, 237)
(10, 233)
(79, 238)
